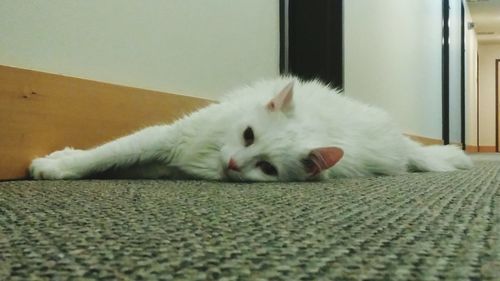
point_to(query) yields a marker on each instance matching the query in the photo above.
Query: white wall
(393, 60)
(470, 83)
(455, 71)
(488, 53)
(199, 48)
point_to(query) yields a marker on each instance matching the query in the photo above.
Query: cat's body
(277, 130)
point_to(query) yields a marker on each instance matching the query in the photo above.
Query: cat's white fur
(201, 145)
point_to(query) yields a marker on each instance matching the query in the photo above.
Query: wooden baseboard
(41, 113)
(471, 148)
(425, 140)
(474, 148)
(484, 148)
(431, 141)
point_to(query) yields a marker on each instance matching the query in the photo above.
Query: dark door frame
(445, 50)
(477, 101)
(497, 65)
(284, 37)
(462, 75)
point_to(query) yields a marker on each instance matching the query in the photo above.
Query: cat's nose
(232, 165)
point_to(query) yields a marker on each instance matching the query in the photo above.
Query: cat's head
(267, 144)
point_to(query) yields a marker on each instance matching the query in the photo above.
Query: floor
(485, 156)
(418, 226)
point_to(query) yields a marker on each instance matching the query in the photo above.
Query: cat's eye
(248, 136)
(267, 168)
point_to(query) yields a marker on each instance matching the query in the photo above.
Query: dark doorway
(312, 40)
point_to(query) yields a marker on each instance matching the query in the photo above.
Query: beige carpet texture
(420, 226)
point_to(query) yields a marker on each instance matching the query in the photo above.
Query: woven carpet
(422, 226)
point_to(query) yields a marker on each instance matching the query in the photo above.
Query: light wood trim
(41, 113)
(471, 148)
(487, 149)
(425, 140)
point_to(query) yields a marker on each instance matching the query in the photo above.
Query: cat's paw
(47, 168)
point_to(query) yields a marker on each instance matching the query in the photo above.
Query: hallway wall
(392, 59)
(192, 47)
(471, 48)
(488, 53)
(455, 71)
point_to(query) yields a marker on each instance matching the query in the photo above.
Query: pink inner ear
(282, 100)
(324, 158)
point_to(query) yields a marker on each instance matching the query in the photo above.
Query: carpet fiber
(422, 226)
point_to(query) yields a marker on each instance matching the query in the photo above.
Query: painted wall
(455, 71)
(470, 83)
(199, 48)
(393, 60)
(488, 53)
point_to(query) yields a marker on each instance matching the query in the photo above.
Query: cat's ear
(322, 158)
(283, 100)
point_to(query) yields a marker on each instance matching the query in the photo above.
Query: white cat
(279, 130)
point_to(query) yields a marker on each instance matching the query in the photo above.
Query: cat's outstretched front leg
(152, 144)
